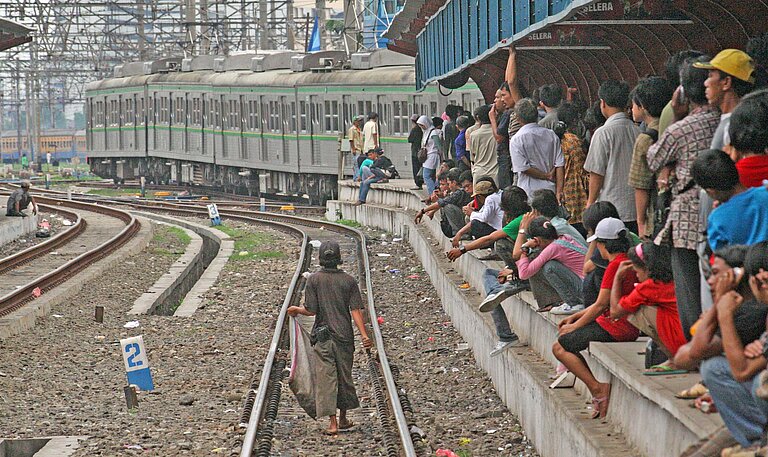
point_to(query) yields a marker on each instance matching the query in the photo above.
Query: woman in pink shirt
(559, 260)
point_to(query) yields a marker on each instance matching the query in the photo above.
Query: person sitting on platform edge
(376, 173)
(499, 285)
(333, 297)
(488, 216)
(452, 218)
(550, 260)
(651, 306)
(19, 200)
(594, 323)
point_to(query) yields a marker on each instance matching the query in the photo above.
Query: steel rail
(33, 252)
(395, 405)
(25, 294)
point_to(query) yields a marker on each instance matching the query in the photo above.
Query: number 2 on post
(136, 351)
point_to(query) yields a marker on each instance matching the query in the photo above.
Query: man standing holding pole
(333, 297)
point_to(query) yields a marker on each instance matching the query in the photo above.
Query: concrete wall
(14, 227)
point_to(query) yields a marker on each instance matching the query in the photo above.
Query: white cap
(608, 229)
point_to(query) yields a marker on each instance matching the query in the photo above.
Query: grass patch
(256, 244)
(349, 222)
(169, 235)
(120, 192)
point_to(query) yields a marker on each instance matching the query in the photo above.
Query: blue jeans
(554, 282)
(429, 178)
(355, 168)
(369, 177)
(491, 284)
(742, 414)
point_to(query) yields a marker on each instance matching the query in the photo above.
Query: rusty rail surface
(20, 258)
(25, 294)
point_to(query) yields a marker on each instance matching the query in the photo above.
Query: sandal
(663, 369)
(346, 426)
(600, 406)
(597, 406)
(692, 393)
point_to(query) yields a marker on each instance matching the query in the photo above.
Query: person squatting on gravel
(19, 200)
(333, 297)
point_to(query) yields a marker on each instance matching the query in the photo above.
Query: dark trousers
(505, 169)
(480, 229)
(632, 227)
(335, 386)
(685, 271)
(415, 166)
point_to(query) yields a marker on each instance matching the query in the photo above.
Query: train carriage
(279, 131)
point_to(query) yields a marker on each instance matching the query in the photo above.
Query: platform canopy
(577, 43)
(13, 34)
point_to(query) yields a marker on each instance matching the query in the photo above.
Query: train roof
(382, 76)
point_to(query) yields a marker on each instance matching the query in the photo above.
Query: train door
(285, 118)
(315, 128)
(218, 137)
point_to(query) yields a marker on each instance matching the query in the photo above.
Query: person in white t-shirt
(371, 133)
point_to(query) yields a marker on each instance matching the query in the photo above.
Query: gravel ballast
(66, 376)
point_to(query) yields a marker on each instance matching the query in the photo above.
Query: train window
(303, 116)
(402, 119)
(293, 117)
(368, 108)
(433, 109)
(141, 112)
(178, 112)
(196, 111)
(385, 118)
(331, 116)
(217, 114)
(335, 116)
(361, 108)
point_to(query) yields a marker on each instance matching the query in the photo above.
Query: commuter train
(255, 123)
(62, 144)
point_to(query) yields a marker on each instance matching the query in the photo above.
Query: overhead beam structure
(577, 43)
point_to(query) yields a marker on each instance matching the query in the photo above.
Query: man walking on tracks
(333, 297)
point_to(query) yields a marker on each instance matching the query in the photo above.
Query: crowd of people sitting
(646, 212)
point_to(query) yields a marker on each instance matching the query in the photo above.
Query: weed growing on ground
(120, 192)
(349, 222)
(166, 235)
(255, 244)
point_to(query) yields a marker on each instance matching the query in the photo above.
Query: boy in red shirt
(651, 306)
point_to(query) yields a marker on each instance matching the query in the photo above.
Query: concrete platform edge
(556, 421)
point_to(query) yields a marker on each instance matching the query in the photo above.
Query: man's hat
(732, 61)
(483, 188)
(608, 229)
(329, 252)
(379, 151)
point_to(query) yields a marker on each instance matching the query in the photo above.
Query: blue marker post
(213, 213)
(136, 363)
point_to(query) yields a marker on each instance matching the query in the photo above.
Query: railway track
(262, 415)
(270, 205)
(27, 274)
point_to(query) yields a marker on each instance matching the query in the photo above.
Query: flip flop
(692, 393)
(596, 402)
(349, 425)
(662, 370)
